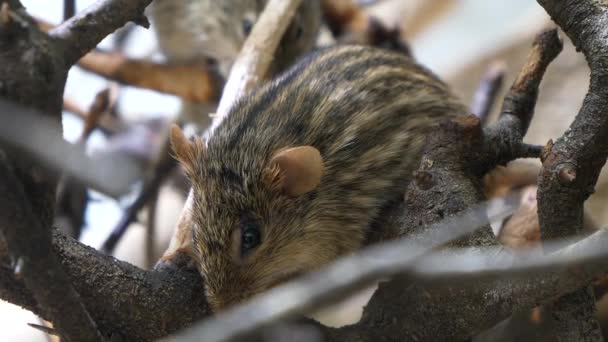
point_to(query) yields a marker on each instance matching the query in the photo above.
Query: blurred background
(458, 39)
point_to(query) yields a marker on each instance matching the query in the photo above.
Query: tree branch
(572, 164)
(123, 299)
(29, 245)
(81, 33)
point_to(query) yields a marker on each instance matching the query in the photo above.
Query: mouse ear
(296, 170)
(188, 152)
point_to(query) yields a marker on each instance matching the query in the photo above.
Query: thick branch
(123, 299)
(572, 165)
(81, 33)
(29, 245)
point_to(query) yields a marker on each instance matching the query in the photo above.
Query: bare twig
(81, 33)
(150, 242)
(518, 106)
(30, 247)
(100, 105)
(189, 82)
(488, 89)
(106, 124)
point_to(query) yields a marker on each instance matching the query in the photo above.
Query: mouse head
(252, 223)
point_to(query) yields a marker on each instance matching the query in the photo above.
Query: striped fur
(366, 110)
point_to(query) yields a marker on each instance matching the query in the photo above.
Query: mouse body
(297, 172)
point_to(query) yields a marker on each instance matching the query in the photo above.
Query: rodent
(299, 169)
(210, 33)
(190, 31)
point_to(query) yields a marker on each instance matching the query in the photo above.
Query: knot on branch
(424, 180)
(566, 172)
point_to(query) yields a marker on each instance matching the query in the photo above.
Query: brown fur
(366, 110)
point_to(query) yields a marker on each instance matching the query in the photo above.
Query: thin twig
(44, 329)
(150, 188)
(100, 105)
(107, 124)
(518, 106)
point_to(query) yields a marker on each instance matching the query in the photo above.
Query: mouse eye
(250, 237)
(247, 26)
(299, 32)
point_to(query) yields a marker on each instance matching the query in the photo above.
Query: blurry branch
(162, 170)
(81, 33)
(580, 260)
(110, 174)
(572, 164)
(101, 104)
(256, 55)
(352, 24)
(44, 329)
(192, 83)
(485, 96)
(30, 249)
(69, 9)
(72, 196)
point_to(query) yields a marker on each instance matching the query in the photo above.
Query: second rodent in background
(194, 30)
(300, 168)
(198, 32)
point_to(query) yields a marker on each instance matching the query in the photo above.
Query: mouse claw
(178, 261)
